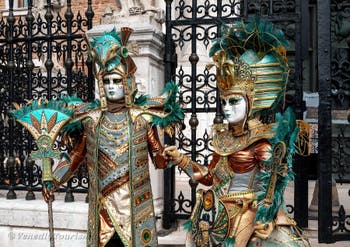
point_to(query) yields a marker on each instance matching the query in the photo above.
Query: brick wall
(98, 6)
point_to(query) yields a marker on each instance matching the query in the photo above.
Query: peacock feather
(171, 106)
(285, 131)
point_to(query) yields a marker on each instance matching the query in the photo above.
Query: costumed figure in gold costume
(252, 161)
(116, 135)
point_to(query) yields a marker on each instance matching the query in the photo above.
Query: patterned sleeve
(155, 148)
(68, 166)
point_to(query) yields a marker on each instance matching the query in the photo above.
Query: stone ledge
(25, 223)
(22, 213)
(39, 237)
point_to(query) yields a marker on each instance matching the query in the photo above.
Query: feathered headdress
(251, 60)
(110, 54)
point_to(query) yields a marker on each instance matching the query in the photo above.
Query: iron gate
(191, 26)
(333, 114)
(42, 54)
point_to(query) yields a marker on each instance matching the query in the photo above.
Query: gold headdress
(111, 55)
(251, 60)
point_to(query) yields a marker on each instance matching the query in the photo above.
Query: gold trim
(266, 97)
(267, 81)
(267, 89)
(238, 195)
(261, 106)
(265, 65)
(269, 73)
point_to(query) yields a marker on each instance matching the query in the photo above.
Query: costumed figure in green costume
(252, 161)
(114, 136)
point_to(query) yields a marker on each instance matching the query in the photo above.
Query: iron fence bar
(300, 169)
(10, 66)
(89, 13)
(29, 169)
(193, 120)
(169, 174)
(69, 61)
(218, 116)
(49, 63)
(324, 123)
(69, 66)
(29, 67)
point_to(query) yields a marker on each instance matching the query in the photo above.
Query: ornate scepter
(44, 120)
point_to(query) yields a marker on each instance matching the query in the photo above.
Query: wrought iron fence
(42, 54)
(191, 26)
(333, 129)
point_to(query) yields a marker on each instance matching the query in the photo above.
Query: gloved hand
(263, 231)
(171, 153)
(48, 190)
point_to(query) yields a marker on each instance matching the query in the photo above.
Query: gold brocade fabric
(225, 143)
(118, 208)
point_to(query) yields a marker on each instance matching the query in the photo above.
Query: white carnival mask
(234, 108)
(113, 86)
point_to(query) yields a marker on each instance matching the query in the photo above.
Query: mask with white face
(234, 108)
(113, 86)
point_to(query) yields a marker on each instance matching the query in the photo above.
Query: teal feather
(72, 127)
(171, 106)
(230, 242)
(187, 226)
(71, 100)
(77, 126)
(35, 109)
(170, 164)
(140, 100)
(65, 156)
(286, 131)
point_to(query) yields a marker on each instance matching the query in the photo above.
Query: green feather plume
(58, 105)
(286, 131)
(71, 100)
(76, 127)
(171, 106)
(187, 226)
(140, 100)
(256, 34)
(229, 242)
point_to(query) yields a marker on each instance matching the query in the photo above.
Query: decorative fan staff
(44, 120)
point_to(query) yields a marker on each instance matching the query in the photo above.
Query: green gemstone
(146, 236)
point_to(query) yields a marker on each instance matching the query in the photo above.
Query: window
(19, 7)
